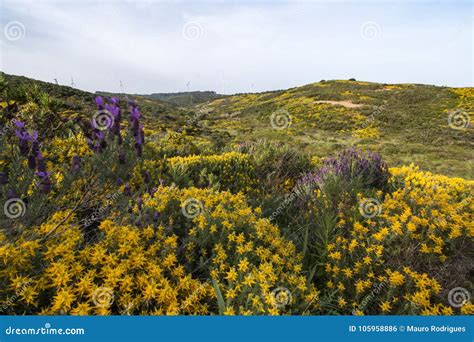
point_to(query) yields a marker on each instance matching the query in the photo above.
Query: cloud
(156, 46)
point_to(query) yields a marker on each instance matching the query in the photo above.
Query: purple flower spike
(3, 178)
(99, 102)
(44, 182)
(76, 163)
(40, 163)
(32, 161)
(24, 138)
(19, 124)
(146, 177)
(349, 165)
(139, 203)
(127, 191)
(121, 157)
(152, 191)
(11, 194)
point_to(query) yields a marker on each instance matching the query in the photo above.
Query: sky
(236, 46)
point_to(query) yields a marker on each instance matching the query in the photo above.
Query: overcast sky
(241, 46)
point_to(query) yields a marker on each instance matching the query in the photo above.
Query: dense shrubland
(110, 213)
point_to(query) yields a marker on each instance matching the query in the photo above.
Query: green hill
(406, 123)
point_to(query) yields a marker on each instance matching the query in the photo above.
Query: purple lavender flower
(99, 102)
(146, 177)
(152, 191)
(3, 178)
(44, 182)
(139, 203)
(19, 124)
(139, 139)
(11, 194)
(127, 191)
(75, 163)
(135, 120)
(24, 138)
(40, 163)
(351, 164)
(32, 161)
(121, 158)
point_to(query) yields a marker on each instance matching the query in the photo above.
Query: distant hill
(181, 99)
(186, 98)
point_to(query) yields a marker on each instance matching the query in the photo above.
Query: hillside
(252, 204)
(158, 114)
(406, 123)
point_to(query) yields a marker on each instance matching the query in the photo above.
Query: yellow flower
(231, 293)
(425, 249)
(82, 309)
(341, 302)
(229, 311)
(360, 286)
(243, 265)
(385, 306)
(249, 280)
(467, 309)
(396, 278)
(62, 300)
(335, 255)
(367, 260)
(347, 272)
(231, 275)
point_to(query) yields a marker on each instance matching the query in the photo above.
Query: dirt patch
(347, 104)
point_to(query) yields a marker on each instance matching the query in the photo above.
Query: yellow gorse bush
(382, 265)
(246, 255)
(134, 269)
(232, 170)
(153, 270)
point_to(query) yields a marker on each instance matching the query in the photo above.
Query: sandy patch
(347, 104)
